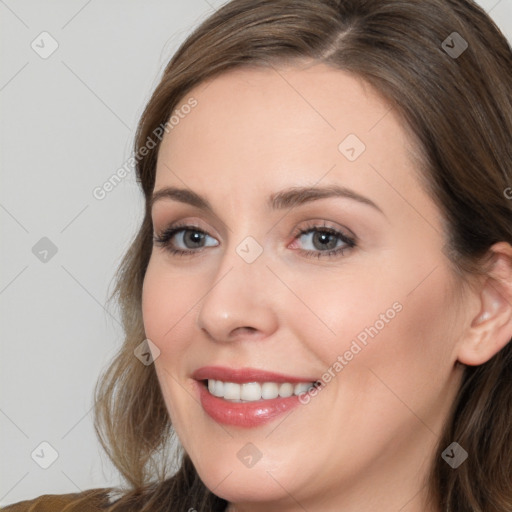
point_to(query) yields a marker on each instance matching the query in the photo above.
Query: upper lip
(241, 375)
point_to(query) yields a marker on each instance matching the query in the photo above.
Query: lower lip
(244, 414)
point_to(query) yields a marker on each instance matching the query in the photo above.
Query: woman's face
(365, 307)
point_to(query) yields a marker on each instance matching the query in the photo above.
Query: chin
(239, 485)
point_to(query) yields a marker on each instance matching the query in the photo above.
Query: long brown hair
(458, 109)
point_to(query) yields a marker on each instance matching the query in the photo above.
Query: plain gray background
(68, 122)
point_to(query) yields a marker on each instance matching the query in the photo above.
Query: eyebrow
(287, 198)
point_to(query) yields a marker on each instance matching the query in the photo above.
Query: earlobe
(491, 328)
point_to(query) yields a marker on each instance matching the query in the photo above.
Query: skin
(366, 440)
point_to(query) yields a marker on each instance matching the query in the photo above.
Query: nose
(240, 300)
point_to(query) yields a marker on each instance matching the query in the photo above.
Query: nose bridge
(239, 295)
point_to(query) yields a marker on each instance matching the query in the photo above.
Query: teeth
(249, 391)
(269, 390)
(231, 391)
(253, 391)
(302, 388)
(286, 389)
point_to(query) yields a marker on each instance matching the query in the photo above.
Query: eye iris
(323, 237)
(195, 236)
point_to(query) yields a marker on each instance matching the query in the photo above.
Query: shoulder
(92, 500)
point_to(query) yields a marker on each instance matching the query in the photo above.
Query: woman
(319, 299)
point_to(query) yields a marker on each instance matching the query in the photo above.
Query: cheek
(378, 317)
(165, 304)
(344, 313)
(382, 320)
(155, 299)
(406, 357)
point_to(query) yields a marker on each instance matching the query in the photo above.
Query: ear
(491, 328)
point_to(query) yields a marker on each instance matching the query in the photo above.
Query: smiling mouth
(255, 391)
(255, 398)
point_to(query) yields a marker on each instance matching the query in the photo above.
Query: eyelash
(163, 240)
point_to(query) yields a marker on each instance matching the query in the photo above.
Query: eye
(330, 242)
(190, 237)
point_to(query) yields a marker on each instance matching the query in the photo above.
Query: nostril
(239, 330)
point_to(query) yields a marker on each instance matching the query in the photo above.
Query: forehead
(291, 102)
(284, 125)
